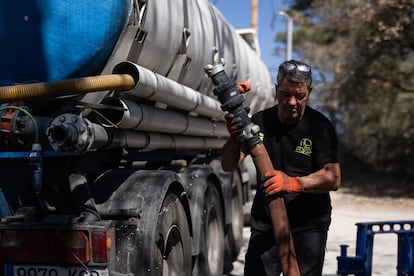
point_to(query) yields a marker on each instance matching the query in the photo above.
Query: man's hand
(278, 181)
(234, 125)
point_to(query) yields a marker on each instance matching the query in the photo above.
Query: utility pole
(253, 19)
(289, 20)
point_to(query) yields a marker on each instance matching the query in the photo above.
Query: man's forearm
(326, 179)
(231, 155)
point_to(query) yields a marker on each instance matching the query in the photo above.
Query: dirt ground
(350, 207)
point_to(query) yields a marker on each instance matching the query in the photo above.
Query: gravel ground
(349, 209)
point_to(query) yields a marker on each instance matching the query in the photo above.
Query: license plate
(23, 270)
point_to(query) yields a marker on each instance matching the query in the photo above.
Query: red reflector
(100, 247)
(46, 247)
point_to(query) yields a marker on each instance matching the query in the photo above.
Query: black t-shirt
(297, 150)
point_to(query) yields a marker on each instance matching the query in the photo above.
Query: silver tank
(177, 38)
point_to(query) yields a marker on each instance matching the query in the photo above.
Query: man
(303, 147)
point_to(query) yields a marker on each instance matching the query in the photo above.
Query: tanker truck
(110, 138)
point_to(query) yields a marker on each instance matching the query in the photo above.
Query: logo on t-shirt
(261, 136)
(304, 147)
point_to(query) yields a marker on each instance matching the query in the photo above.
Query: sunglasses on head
(291, 66)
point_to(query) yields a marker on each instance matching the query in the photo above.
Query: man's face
(292, 98)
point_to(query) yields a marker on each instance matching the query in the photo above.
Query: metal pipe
(158, 88)
(73, 133)
(151, 140)
(143, 117)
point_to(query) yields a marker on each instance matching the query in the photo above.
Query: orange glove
(277, 181)
(233, 126)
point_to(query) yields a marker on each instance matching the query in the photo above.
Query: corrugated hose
(83, 85)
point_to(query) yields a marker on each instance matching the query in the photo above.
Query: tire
(234, 237)
(210, 260)
(173, 254)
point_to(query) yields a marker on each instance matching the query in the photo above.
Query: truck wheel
(210, 261)
(235, 236)
(174, 242)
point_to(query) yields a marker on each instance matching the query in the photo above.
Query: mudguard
(195, 179)
(226, 183)
(134, 199)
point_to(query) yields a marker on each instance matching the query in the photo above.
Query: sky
(269, 23)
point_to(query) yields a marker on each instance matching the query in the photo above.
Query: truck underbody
(158, 217)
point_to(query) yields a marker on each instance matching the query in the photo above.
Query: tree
(363, 53)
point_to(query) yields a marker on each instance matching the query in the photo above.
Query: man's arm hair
(328, 178)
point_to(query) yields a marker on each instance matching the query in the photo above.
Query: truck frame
(110, 138)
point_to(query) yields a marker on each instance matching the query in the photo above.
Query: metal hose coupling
(73, 133)
(230, 96)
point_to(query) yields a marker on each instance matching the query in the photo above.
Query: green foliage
(364, 55)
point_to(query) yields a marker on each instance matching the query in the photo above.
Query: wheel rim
(173, 258)
(213, 240)
(237, 218)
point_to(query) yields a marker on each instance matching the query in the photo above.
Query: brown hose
(84, 85)
(280, 222)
